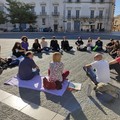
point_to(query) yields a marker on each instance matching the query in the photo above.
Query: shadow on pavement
(30, 96)
(68, 103)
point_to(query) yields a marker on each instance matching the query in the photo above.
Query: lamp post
(64, 19)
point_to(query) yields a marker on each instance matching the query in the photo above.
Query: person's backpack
(3, 63)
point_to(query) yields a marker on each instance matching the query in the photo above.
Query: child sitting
(55, 73)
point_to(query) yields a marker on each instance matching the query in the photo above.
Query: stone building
(70, 15)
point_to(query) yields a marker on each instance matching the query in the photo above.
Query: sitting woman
(54, 44)
(79, 43)
(89, 45)
(113, 53)
(18, 50)
(55, 73)
(36, 46)
(24, 43)
(44, 45)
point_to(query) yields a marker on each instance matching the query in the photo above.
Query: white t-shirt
(102, 70)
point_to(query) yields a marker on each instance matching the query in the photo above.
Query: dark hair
(15, 46)
(28, 53)
(112, 39)
(37, 40)
(24, 37)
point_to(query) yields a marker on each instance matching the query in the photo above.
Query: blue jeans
(91, 74)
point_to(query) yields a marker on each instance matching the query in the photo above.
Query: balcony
(43, 13)
(55, 14)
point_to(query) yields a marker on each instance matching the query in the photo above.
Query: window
(69, 13)
(77, 13)
(43, 9)
(33, 9)
(43, 21)
(77, 0)
(69, 0)
(56, 9)
(92, 14)
(101, 14)
(93, 1)
(101, 1)
(1, 8)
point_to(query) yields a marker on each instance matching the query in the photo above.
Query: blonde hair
(56, 57)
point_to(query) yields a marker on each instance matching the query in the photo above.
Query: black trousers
(116, 67)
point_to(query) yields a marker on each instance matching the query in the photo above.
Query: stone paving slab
(72, 105)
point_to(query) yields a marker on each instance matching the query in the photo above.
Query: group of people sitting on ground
(98, 71)
(28, 69)
(89, 46)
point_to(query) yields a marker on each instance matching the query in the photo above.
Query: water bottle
(89, 90)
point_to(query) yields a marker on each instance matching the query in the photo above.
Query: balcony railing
(55, 13)
(43, 13)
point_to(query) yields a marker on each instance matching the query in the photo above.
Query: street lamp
(64, 21)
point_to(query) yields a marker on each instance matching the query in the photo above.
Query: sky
(117, 8)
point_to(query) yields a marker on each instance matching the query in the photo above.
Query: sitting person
(79, 43)
(99, 45)
(55, 73)
(101, 67)
(18, 50)
(54, 44)
(89, 45)
(27, 68)
(24, 42)
(116, 46)
(65, 45)
(115, 64)
(44, 45)
(110, 46)
(36, 46)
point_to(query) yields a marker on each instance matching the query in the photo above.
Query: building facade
(70, 15)
(116, 24)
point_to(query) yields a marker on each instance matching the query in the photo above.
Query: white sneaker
(89, 90)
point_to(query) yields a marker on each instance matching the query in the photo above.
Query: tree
(20, 12)
(3, 18)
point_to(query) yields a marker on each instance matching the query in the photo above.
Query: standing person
(24, 43)
(99, 44)
(27, 68)
(102, 71)
(54, 44)
(115, 64)
(55, 73)
(17, 50)
(65, 45)
(110, 46)
(44, 45)
(79, 43)
(36, 46)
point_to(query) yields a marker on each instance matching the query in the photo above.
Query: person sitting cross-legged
(79, 43)
(27, 68)
(98, 70)
(98, 45)
(65, 45)
(55, 73)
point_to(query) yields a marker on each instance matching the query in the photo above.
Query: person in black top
(99, 44)
(36, 46)
(18, 50)
(65, 44)
(110, 46)
(54, 44)
(79, 42)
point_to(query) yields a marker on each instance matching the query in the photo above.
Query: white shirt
(102, 70)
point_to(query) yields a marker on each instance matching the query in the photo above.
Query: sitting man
(79, 43)
(98, 70)
(110, 45)
(65, 45)
(99, 44)
(115, 64)
(27, 68)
